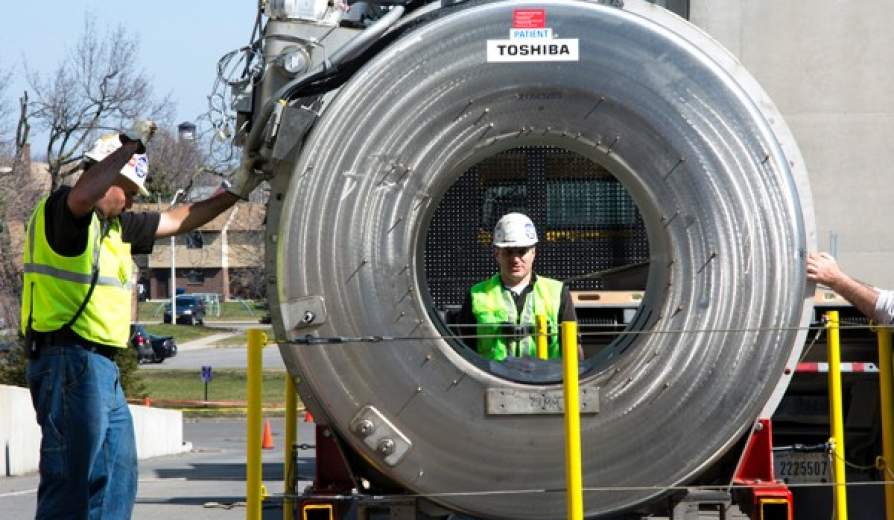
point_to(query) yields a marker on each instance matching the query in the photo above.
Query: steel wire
(595, 489)
(324, 340)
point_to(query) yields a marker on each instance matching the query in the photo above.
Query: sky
(179, 41)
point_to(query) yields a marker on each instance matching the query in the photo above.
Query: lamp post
(173, 283)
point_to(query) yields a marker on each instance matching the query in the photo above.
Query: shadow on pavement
(271, 509)
(231, 471)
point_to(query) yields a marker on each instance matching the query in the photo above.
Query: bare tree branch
(98, 87)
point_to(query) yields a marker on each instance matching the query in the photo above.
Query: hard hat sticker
(141, 168)
(529, 232)
(531, 41)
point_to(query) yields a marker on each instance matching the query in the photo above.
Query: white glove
(245, 179)
(103, 146)
(141, 131)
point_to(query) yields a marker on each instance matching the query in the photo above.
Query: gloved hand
(103, 146)
(246, 178)
(141, 131)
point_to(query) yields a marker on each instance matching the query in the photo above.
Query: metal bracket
(688, 506)
(294, 124)
(517, 401)
(380, 436)
(303, 313)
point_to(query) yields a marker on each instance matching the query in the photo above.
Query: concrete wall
(829, 67)
(158, 432)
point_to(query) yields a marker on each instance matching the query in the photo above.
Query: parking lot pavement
(207, 483)
(229, 357)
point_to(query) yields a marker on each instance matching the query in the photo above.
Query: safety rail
(256, 492)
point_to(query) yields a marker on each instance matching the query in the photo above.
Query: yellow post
(253, 485)
(573, 477)
(836, 415)
(886, 389)
(541, 335)
(288, 512)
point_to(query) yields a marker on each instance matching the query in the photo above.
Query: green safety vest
(494, 305)
(56, 285)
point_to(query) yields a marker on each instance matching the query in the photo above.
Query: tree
(14, 191)
(6, 143)
(174, 164)
(95, 89)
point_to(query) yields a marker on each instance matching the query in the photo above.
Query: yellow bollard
(836, 415)
(254, 493)
(288, 506)
(886, 390)
(573, 476)
(541, 332)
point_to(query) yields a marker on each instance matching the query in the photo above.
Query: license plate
(796, 467)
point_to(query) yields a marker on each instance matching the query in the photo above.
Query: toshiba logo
(533, 49)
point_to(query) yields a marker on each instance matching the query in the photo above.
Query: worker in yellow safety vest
(505, 305)
(76, 315)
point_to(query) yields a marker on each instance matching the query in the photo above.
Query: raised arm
(186, 217)
(822, 268)
(95, 181)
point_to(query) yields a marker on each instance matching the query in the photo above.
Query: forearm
(860, 295)
(95, 181)
(187, 217)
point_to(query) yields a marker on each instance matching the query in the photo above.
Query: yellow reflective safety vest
(493, 306)
(56, 285)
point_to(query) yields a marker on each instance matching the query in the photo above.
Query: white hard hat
(515, 230)
(137, 168)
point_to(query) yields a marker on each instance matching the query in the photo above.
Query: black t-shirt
(466, 316)
(67, 234)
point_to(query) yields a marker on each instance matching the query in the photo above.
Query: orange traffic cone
(267, 438)
(308, 417)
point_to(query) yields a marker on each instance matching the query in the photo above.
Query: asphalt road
(197, 353)
(221, 357)
(207, 483)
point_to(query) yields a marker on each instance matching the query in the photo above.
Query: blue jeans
(88, 456)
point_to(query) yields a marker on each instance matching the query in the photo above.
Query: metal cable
(594, 489)
(322, 340)
(819, 331)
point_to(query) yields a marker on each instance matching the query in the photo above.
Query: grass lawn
(236, 340)
(181, 333)
(227, 384)
(233, 310)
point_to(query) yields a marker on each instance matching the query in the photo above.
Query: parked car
(151, 348)
(190, 310)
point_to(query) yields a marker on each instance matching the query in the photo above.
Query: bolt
(308, 317)
(365, 427)
(386, 446)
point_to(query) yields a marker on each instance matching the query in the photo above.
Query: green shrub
(129, 375)
(13, 364)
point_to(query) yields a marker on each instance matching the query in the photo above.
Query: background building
(225, 256)
(827, 65)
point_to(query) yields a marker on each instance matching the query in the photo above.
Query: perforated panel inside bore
(586, 222)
